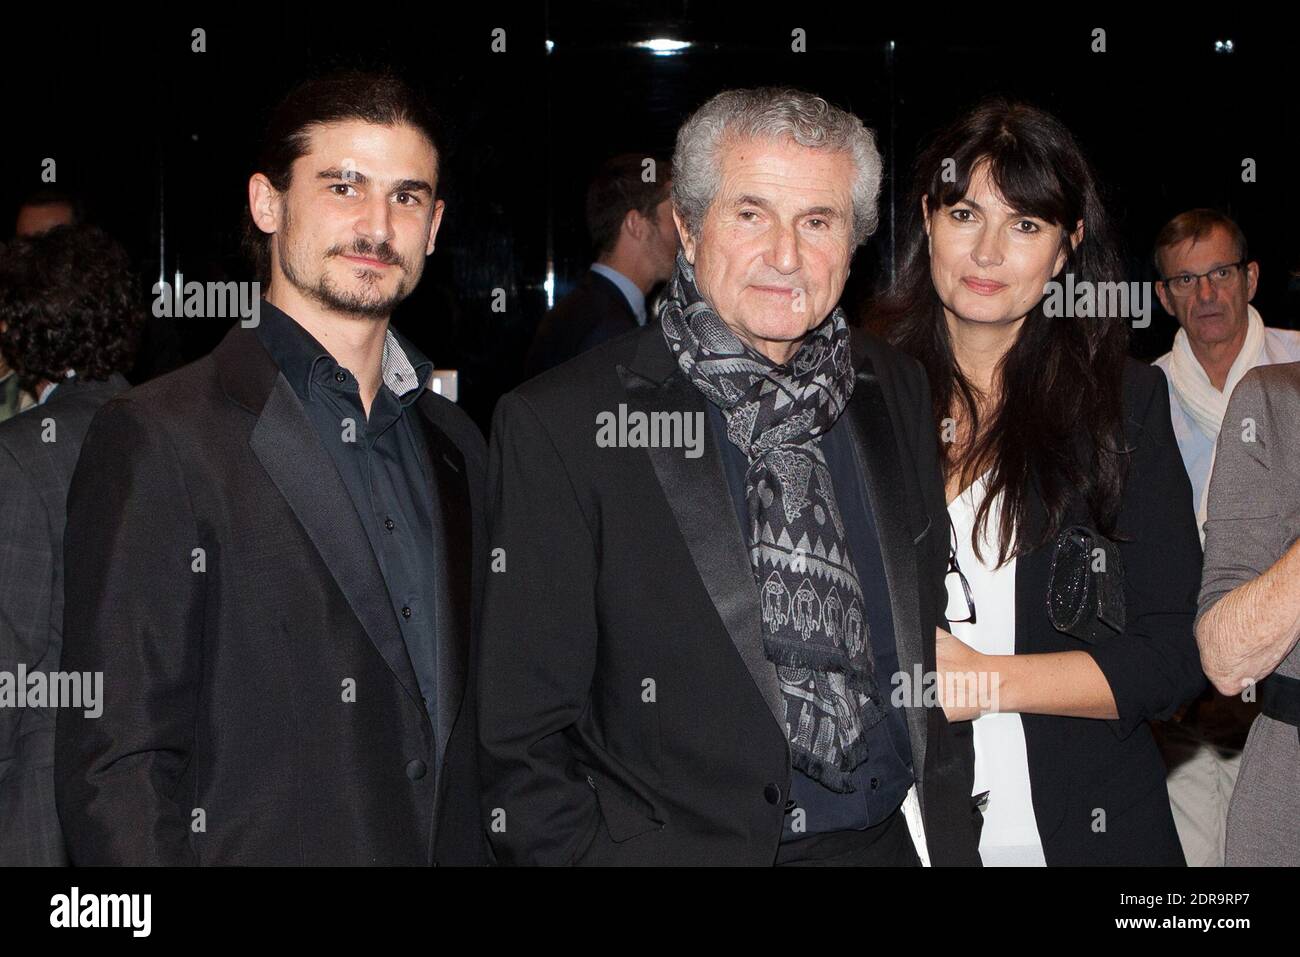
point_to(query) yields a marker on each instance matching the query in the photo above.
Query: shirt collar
(634, 296)
(304, 361)
(405, 371)
(48, 389)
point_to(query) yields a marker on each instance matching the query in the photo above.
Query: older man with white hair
(720, 545)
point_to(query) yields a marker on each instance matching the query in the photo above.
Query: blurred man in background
(38, 213)
(629, 217)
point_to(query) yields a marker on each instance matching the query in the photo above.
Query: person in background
(159, 350)
(13, 397)
(70, 324)
(1046, 424)
(38, 213)
(46, 208)
(629, 217)
(1207, 280)
(1249, 616)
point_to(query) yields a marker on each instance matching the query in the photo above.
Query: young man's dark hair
(277, 552)
(619, 185)
(67, 301)
(381, 98)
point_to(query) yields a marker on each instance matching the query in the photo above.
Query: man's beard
(368, 302)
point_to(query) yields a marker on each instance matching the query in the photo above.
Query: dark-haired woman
(1046, 424)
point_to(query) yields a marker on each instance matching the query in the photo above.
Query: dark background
(159, 140)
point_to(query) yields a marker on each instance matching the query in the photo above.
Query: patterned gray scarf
(814, 627)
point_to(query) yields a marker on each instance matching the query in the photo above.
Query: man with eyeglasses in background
(1207, 280)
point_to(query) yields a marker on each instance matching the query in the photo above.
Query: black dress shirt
(382, 461)
(881, 782)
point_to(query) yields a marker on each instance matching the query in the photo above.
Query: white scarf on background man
(1203, 402)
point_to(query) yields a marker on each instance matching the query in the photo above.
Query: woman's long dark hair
(1059, 420)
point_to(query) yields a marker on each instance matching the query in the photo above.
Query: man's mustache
(382, 253)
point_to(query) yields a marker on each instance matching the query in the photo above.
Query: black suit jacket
(1098, 787)
(260, 705)
(594, 311)
(38, 451)
(627, 713)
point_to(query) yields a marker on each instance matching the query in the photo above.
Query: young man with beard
(270, 552)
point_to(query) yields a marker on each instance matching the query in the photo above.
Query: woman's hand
(967, 681)
(1065, 683)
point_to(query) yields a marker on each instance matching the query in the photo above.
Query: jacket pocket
(626, 815)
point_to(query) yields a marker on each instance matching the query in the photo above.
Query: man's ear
(263, 203)
(438, 207)
(635, 224)
(1252, 279)
(688, 243)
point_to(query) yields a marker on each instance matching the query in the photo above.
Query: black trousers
(887, 844)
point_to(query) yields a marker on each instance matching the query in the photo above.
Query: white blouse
(1010, 833)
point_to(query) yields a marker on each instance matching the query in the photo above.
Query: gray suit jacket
(38, 451)
(1253, 518)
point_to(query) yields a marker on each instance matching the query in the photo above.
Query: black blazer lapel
(452, 542)
(286, 444)
(696, 490)
(886, 485)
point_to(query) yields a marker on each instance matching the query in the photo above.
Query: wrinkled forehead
(1200, 253)
(785, 173)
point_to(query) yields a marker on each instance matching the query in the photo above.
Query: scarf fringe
(861, 676)
(838, 779)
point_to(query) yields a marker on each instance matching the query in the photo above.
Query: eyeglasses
(955, 569)
(1185, 284)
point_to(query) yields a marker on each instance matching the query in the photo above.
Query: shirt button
(388, 524)
(772, 794)
(406, 611)
(875, 783)
(415, 769)
(340, 377)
